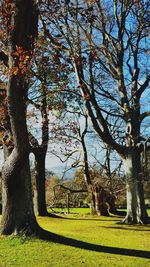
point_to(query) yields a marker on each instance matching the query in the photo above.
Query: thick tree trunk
(18, 215)
(40, 196)
(136, 210)
(98, 202)
(101, 205)
(111, 203)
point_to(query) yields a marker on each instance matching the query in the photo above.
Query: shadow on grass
(130, 228)
(82, 219)
(48, 236)
(114, 219)
(119, 213)
(92, 219)
(53, 215)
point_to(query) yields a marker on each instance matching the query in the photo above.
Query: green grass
(80, 210)
(72, 210)
(94, 232)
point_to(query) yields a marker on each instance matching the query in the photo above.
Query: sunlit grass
(103, 231)
(81, 211)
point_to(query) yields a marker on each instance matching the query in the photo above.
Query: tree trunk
(98, 202)
(136, 210)
(102, 202)
(93, 210)
(18, 215)
(111, 203)
(68, 203)
(40, 196)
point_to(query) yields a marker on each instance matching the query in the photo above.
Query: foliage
(50, 183)
(113, 185)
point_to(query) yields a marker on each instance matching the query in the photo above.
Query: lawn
(90, 242)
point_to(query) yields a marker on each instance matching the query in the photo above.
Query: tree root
(131, 221)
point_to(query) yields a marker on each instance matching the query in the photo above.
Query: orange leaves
(7, 3)
(2, 110)
(23, 62)
(91, 2)
(26, 58)
(8, 9)
(1, 136)
(2, 114)
(2, 34)
(22, 54)
(15, 71)
(19, 51)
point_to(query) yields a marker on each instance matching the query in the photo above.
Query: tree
(68, 194)
(106, 43)
(44, 96)
(40, 151)
(97, 192)
(74, 131)
(112, 177)
(21, 21)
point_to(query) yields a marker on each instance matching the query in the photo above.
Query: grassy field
(89, 241)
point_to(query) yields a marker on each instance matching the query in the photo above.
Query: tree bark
(136, 210)
(98, 202)
(111, 202)
(40, 197)
(101, 206)
(18, 215)
(93, 210)
(40, 155)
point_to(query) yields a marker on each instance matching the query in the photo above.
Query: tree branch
(69, 189)
(144, 115)
(143, 87)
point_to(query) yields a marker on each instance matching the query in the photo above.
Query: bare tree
(107, 45)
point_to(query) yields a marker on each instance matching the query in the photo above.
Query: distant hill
(59, 170)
